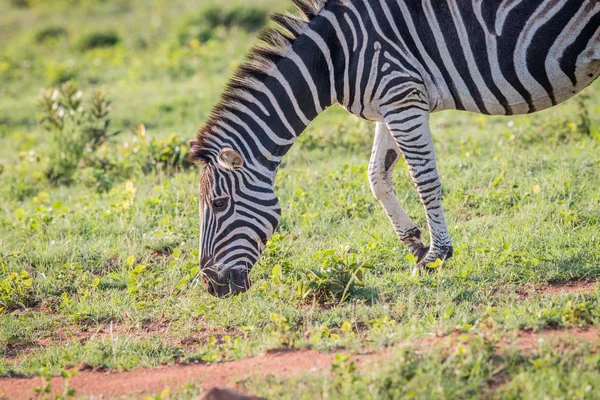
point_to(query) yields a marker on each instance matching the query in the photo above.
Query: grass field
(99, 234)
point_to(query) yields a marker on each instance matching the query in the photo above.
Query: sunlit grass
(521, 196)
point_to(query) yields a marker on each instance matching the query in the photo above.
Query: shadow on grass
(368, 295)
(578, 267)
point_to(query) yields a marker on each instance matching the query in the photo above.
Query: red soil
(145, 381)
(553, 289)
(585, 287)
(154, 380)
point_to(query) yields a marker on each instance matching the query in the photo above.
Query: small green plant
(226, 349)
(20, 3)
(202, 28)
(345, 375)
(78, 129)
(16, 291)
(341, 272)
(248, 18)
(143, 282)
(281, 330)
(151, 155)
(95, 40)
(169, 155)
(58, 73)
(21, 180)
(49, 33)
(45, 390)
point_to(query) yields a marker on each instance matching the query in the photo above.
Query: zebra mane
(273, 44)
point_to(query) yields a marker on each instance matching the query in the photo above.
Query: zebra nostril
(211, 288)
(210, 280)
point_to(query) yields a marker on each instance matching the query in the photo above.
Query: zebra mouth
(228, 281)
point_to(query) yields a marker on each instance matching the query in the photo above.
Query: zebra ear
(230, 159)
(195, 154)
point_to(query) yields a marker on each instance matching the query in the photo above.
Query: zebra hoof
(420, 252)
(435, 258)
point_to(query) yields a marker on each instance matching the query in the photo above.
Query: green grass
(521, 196)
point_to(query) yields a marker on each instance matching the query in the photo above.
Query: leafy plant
(78, 129)
(21, 181)
(95, 40)
(226, 349)
(202, 29)
(169, 155)
(246, 17)
(341, 272)
(19, 3)
(345, 373)
(46, 389)
(281, 330)
(49, 33)
(16, 291)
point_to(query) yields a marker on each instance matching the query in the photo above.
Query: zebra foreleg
(410, 130)
(384, 157)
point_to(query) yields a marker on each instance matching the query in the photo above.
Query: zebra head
(238, 213)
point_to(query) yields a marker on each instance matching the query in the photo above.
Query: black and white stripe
(393, 62)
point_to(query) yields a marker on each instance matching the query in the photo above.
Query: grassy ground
(102, 271)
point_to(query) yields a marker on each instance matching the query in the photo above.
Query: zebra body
(391, 61)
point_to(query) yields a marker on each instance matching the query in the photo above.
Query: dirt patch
(585, 287)
(529, 340)
(147, 381)
(282, 364)
(164, 330)
(580, 286)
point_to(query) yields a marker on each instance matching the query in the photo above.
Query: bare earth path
(282, 364)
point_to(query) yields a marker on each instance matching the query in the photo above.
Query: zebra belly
(563, 90)
(587, 71)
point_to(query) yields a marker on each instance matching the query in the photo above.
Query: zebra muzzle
(228, 281)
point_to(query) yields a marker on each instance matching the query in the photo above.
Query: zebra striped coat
(390, 61)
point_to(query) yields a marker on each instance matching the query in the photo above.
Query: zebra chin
(227, 281)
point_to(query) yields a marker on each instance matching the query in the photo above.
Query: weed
(341, 272)
(22, 180)
(45, 390)
(226, 349)
(202, 29)
(346, 376)
(78, 130)
(19, 3)
(16, 291)
(99, 39)
(169, 155)
(246, 17)
(50, 33)
(281, 330)
(60, 72)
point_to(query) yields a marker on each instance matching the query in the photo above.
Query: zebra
(393, 62)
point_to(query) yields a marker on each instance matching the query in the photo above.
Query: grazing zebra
(389, 61)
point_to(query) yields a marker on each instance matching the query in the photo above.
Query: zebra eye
(219, 204)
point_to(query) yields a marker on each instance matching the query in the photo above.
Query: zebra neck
(264, 118)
